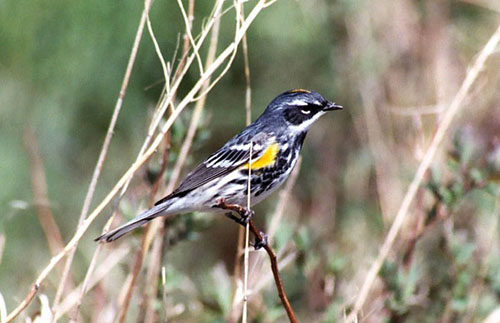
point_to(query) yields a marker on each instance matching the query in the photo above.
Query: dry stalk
(210, 70)
(441, 131)
(276, 274)
(247, 234)
(40, 196)
(248, 113)
(188, 23)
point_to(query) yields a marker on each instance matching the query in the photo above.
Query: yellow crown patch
(300, 91)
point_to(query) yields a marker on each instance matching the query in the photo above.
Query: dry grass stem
(248, 114)
(441, 131)
(188, 23)
(244, 314)
(40, 196)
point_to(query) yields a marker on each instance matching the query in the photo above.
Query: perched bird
(270, 147)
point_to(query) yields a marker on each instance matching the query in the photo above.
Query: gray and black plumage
(276, 138)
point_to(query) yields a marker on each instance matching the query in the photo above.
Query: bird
(266, 151)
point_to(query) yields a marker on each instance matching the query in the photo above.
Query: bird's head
(299, 108)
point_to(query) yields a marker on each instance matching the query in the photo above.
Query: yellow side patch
(300, 91)
(267, 159)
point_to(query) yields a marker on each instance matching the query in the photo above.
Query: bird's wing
(234, 154)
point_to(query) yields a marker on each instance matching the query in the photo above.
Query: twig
(147, 154)
(441, 131)
(188, 22)
(25, 302)
(276, 274)
(242, 211)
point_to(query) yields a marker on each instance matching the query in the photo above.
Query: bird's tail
(136, 222)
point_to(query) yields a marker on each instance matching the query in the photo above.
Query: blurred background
(394, 65)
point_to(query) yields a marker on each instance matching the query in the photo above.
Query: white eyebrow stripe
(298, 102)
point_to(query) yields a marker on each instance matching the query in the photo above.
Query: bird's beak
(332, 106)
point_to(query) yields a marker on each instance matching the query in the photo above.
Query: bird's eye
(305, 111)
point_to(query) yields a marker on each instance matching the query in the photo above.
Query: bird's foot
(261, 243)
(244, 213)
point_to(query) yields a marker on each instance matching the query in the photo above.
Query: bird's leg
(261, 239)
(245, 214)
(236, 219)
(260, 243)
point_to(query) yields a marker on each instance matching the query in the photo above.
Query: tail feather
(136, 222)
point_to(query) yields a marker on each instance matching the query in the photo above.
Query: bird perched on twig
(269, 146)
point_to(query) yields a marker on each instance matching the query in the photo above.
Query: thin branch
(276, 274)
(188, 24)
(441, 131)
(24, 303)
(164, 66)
(242, 211)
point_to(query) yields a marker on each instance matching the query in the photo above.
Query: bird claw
(244, 213)
(261, 243)
(243, 219)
